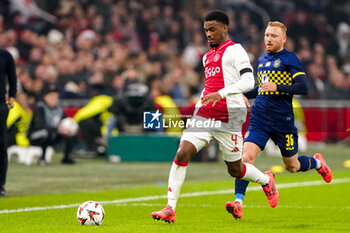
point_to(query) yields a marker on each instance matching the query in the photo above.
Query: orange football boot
(167, 214)
(234, 208)
(324, 170)
(271, 191)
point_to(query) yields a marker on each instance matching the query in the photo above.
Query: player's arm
(12, 79)
(244, 84)
(299, 85)
(246, 81)
(252, 93)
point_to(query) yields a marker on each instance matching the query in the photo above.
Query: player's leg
(190, 143)
(253, 144)
(250, 152)
(69, 146)
(293, 162)
(40, 138)
(178, 171)
(250, 173)
(231, 147)
(3, 148)
(297, 163)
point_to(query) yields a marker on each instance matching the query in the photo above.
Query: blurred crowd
(78, 44)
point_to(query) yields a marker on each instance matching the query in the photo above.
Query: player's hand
(211, 98)
(268, 86)
(247, 104)
(10, 102)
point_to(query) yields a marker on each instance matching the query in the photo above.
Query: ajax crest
(216, 57)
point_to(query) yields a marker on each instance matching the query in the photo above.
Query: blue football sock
(306, 163)
(240, 188)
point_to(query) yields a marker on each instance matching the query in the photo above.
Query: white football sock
(318, 164)
(240, 201)
(255, 175)
(176, 179)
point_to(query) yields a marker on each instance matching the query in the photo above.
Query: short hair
(280, 25)
(217, 15)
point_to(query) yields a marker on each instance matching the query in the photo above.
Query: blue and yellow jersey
(280, 68)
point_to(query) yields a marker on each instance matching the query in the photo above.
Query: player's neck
(223, 41)
(276, 51)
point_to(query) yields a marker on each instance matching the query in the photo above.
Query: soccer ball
(90, 213)
(68, 127)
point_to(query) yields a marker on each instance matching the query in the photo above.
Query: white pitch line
(245, 206)
(194, 194)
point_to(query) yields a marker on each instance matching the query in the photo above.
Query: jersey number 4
(234, 139)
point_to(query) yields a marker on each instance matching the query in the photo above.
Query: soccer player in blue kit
(280, 76)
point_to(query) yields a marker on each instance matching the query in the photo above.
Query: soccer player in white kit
(228, 74)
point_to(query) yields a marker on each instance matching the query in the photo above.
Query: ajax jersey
(222, 67)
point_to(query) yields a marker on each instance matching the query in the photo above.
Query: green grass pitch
(45, 199)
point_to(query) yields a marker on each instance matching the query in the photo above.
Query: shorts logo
(217, 57)
(235, 149)
(151, 120)
(277, 63)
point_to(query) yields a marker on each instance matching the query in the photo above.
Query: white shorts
(231, 144)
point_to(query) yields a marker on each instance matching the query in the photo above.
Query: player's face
(215, 32)
(274, 39)
(52, 99)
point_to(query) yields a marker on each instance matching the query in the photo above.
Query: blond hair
(278, 24)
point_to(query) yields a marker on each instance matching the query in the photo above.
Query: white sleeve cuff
(222, 93)
(246, 83)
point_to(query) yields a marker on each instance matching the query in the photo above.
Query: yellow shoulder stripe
(298, 73)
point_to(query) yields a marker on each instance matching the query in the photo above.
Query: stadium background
(79, 45)
(152, 40)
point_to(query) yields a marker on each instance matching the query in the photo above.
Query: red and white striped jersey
(225, 70)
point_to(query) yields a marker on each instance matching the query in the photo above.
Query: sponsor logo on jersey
(264, 79)
(212, 71)
(277, 63)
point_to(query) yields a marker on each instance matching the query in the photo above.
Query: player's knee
(248, 158)
(183, 156)
(234, 172)
(291, 168)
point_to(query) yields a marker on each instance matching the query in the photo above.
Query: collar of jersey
(278, 53)
(222, 45)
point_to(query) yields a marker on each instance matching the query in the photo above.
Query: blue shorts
(286, 141)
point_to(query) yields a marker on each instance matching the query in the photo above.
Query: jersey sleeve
(295, 66)
(300, 85)
(241, 60)
(242, 64)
